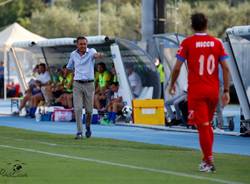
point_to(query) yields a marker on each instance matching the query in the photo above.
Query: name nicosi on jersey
(204, 44)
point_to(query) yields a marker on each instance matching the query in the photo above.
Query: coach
(82, 62)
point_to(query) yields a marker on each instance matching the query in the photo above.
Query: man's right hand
(172, 90)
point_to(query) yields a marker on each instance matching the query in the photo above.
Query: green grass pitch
(53, 158)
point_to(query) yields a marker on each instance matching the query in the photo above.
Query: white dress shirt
(83, 66)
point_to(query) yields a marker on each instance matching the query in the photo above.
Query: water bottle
(38, 116)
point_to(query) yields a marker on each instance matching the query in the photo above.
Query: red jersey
(203, 53)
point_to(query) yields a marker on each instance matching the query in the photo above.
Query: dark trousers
(1, 87)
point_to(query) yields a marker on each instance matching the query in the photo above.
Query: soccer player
(203, 54)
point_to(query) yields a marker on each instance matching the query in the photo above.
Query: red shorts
(201, 109)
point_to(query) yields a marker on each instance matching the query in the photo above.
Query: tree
(10, 12)
(58, 22)
(123, 22)
(220, 15)
(118, 18)
(19, 11)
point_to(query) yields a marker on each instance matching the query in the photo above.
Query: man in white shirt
(134, 81)
(82, 61)
(42, 80)
(44, 76)
(34, 94)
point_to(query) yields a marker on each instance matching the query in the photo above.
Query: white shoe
(218, 130)
(207, 168)
(23, 112)
(202, 164)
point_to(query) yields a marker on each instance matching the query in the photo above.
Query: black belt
(84, 81)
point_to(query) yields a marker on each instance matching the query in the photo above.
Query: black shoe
(78, 136)
(16, 113)
(245, 135)
(176, 122)
(88, 132)
(213, 170)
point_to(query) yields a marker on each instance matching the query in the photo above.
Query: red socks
(206, 137)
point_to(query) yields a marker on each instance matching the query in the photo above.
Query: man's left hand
(225, 98)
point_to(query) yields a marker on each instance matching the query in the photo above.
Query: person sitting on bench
(177, 117)
(116, 103)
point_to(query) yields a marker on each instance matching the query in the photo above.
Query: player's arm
(70, 65)
(174, 76)
(225, 70)
(98, 55)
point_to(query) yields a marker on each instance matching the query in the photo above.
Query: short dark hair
(81, 38)
(102, 65)
(199, 21)
(115, 83)
(43, 65)
(37, 66)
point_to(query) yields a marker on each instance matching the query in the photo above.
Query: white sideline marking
(41, 142)
(24, 140)
(120, 165)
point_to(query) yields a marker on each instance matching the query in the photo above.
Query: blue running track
(223, 143)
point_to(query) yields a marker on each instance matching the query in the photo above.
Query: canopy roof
(14, 33)
(60, 41)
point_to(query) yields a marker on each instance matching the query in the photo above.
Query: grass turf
(42, 167)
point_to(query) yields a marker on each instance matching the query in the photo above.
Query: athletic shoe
(78, 136)
(104, 121)
(176, 121)
(23, 112)
(218, 130)
(16, 113)
(88, 132)
(202, 164)
(208, 168)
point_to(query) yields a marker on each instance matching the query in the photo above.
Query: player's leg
(199, 115)
(206, 111)
(205, 141)
(69, 100)
(117, 106)
(211, 132)
(212, 103)
(88, 100)
(78, 103)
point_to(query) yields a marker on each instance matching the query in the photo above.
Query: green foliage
(63, 3)
(122, 21)
(118, 18)
(32, 5)
(131, 17)
(19, 11)
(10, 12)
(58, 22)
(220, 16)
(83, 6)
(178, 20)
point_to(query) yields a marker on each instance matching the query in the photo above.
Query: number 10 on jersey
(209, 65)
